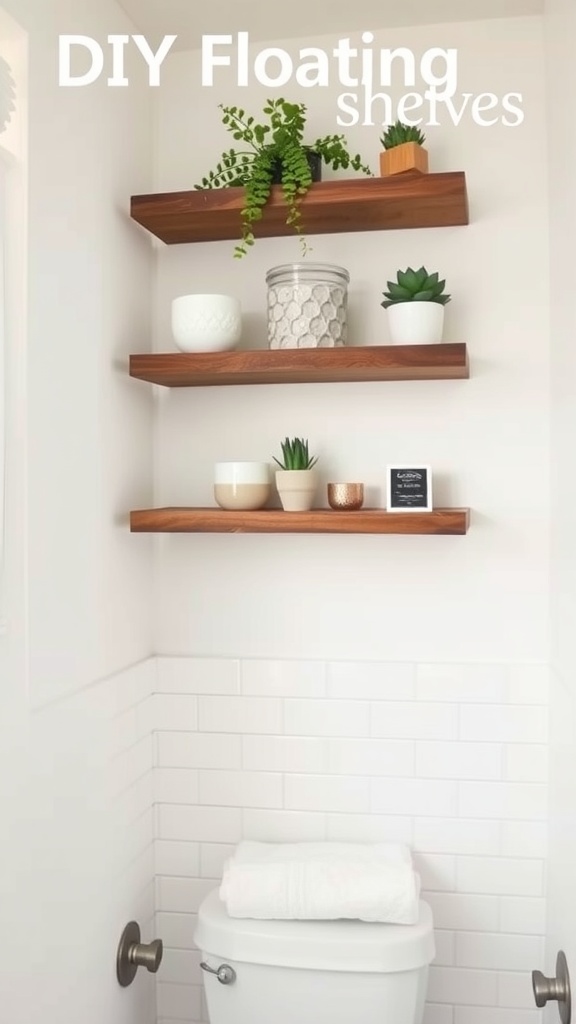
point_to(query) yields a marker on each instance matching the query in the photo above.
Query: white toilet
(313, 972)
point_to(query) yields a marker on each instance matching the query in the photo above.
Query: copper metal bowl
(346, 497)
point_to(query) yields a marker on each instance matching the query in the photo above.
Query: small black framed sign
(408, 488)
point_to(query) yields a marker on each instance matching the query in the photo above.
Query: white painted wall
(561, 84)
(371, 687)
(75, 740)
(353, 597)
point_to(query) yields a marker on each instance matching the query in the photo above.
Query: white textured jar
(206, 323)
(307, 305)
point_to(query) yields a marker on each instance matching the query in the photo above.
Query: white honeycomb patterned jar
(206, 323)
(307, 305)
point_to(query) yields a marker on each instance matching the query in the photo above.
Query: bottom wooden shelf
(319, 520)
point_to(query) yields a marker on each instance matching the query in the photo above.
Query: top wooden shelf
(353, 204)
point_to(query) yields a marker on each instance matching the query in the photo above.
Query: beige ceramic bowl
(242, 485)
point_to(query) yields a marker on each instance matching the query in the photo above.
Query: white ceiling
(191, 19)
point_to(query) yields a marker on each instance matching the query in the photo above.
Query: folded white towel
(321, 881)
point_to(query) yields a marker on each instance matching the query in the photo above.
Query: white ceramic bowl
(242, 485)
(206, 323)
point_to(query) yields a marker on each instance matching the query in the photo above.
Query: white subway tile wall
(450, 759)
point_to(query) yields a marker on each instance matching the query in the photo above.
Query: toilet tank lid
(318, 945)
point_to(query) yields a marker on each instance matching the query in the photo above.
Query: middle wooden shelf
(303, 366)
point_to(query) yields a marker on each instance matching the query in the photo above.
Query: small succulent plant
(399, 133)
(295, 454)
(415, 286)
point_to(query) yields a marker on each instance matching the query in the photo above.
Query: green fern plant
(415, 286)
(295, 454)
(274, 148)
(399, 133)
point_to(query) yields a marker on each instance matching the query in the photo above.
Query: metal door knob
(558, 988)
(133, 954)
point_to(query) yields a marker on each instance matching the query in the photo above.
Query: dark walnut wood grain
(215, 520)
(349, 204)
(303, 366)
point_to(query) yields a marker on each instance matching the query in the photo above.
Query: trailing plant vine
(275, 150)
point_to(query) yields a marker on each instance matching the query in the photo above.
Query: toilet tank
(314, 972)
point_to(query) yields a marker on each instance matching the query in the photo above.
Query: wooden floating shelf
(371, 520)
(349, 204)
(304, 365)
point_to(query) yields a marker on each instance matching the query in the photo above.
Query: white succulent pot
(416, 323)
(297, 488)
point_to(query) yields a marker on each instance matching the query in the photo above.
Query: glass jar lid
(295, 272)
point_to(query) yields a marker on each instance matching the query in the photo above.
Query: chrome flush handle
(226, 975)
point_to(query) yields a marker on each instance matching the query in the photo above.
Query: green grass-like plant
(399, 133)
(277, 144)
(295, 454)
(415, 286)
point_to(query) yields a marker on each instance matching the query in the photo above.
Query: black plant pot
(314, 162)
